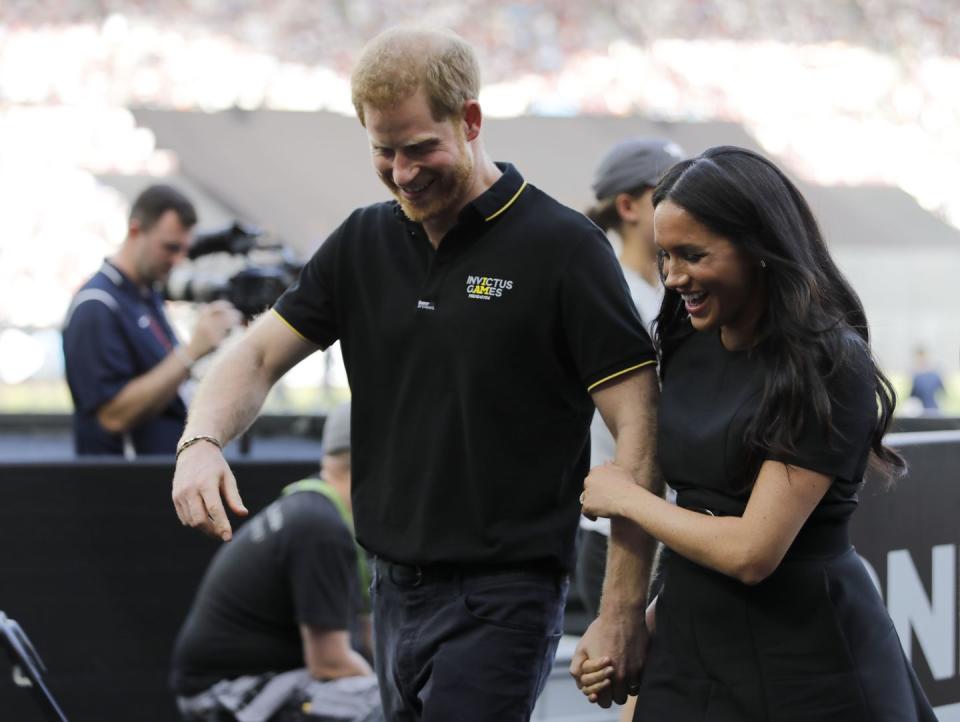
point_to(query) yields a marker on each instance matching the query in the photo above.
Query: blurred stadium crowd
(520, 35)
(843, 91)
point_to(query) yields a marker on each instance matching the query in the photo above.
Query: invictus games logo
(484, 288)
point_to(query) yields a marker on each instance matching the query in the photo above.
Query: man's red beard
(444, 193)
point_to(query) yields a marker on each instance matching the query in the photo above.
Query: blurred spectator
(269, 634)
(623, 185)
(927, 384)
(124, 365)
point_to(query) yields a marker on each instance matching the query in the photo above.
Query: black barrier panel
(25, 438)
(908, 534)
(98, 571)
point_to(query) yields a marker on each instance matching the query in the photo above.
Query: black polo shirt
(470, 368)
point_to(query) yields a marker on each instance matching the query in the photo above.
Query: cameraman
(124, 364)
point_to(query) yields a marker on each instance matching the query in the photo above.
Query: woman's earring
(763, 263)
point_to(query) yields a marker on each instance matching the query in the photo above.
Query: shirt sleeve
(841, 451)
(97, 355)
(324, 580)
(603, 329)
(309, 306)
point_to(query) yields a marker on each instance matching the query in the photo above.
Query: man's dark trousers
(472, 644)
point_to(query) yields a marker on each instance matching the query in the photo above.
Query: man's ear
(626, 206)
(472, 118)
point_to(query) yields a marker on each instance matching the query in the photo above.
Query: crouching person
(274, 631)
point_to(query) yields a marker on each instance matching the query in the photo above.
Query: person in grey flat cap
(274, 629)
(623, 185)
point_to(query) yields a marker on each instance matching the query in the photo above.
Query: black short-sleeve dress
(813, 641)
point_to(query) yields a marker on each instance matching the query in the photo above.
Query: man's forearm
(631, 550)
(629, 564)
(619, 633)
(351, 664)
(230, 396)
(328, 655)
(226, 403)
(145, 396)
(235, 387)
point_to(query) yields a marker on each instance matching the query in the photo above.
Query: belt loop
(419, 579)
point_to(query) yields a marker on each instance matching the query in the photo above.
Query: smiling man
(480, 321)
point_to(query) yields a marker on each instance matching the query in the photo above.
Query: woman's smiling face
(719, 284)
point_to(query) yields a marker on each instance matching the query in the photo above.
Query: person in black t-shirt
(270, 627)
(480, 321)
(771, 405)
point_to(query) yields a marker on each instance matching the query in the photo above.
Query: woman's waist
(821, 538)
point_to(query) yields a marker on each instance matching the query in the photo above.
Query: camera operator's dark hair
(813, 326)
(156, 200)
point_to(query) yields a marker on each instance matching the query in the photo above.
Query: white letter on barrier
(932, 620)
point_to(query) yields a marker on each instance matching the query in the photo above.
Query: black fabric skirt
(813, 642)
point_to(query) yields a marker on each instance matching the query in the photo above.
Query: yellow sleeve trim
(508, 203)
(594, 385)
(290, 326)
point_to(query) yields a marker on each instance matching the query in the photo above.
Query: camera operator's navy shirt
(113, 333)
(471, 369)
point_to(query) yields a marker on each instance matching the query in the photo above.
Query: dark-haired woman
(771, 405)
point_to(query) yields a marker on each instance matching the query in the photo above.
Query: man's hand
(226, 403)
(621, 640)
(214, 321)
(201, 477)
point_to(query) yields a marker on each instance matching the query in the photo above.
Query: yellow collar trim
(508, 203)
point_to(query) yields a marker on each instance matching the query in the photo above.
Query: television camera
(241, 264)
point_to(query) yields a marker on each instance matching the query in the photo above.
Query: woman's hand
(606, 490)
(595, 677)
(595, 674)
